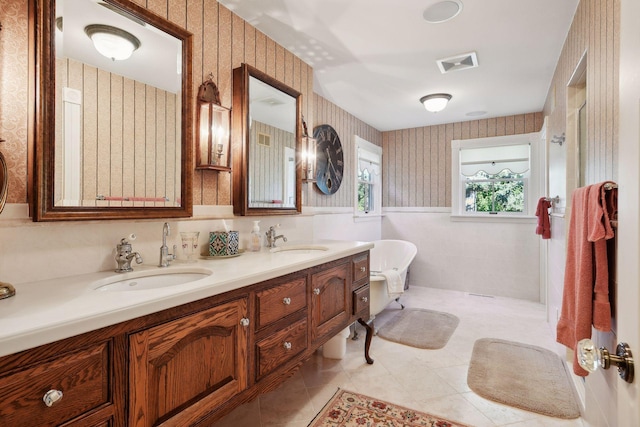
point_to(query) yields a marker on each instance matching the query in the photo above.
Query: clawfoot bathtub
(388, 255)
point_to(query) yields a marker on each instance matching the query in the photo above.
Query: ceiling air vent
(458, 62)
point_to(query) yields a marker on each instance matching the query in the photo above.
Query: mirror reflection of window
(368, 180)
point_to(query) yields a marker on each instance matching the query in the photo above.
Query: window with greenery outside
(365, 191)
(502, 192)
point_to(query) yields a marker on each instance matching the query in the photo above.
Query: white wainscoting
(488, 258)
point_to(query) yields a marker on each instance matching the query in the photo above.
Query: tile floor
(433, 381)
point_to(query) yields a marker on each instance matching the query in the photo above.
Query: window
(494, 176)
(368, 178)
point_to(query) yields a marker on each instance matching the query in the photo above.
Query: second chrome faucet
(272, 237)
(165, 256)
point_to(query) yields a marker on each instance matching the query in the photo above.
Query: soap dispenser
(256, 238)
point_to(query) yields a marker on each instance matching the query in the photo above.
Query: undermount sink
(150, 279)
(300, 249)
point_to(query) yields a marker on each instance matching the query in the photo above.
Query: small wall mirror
(114, 120)
(266, 118)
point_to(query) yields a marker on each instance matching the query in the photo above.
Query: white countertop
(50, 310)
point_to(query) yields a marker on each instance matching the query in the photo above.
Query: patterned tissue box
(223, 243)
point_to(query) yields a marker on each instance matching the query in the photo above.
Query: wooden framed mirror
(112, 135)
(267, 173)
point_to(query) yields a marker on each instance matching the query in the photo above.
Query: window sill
(524, 219)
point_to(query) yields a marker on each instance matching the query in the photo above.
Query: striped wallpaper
(346, 125)
(416, 163)
(128, 134)
(223, 41)
(594, 32)
(267, 178)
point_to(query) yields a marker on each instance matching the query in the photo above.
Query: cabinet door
(181, 370)
(330, 301)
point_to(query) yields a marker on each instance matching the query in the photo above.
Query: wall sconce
(308, 158)
(112, 42)
(435, 102)
(308, 155)
(214, 123)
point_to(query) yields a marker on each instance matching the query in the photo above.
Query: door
(628, 295)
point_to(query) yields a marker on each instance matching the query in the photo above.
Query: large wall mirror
(113, 122)
(266, 122)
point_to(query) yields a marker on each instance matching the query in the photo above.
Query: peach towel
(585, 300)
(542, 212)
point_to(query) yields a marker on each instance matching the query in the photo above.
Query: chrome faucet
(124, 256)
(165, 256)
(271, 236)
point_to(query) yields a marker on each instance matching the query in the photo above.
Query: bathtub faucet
(271, 236)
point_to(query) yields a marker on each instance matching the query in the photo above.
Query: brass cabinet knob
(51, 397)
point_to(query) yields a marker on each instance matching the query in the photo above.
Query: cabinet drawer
(279, 301)
(83, 377)
(360, 268)
(277, 349)
(361, 299)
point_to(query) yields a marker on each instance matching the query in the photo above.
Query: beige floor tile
(455, 408)
(433, 381)
(247, 415)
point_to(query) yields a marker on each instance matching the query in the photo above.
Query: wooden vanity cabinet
(189, 365)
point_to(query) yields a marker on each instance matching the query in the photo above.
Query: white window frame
(532, 190)
(372, 151)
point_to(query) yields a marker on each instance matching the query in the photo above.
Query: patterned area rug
(420, 328)
(524, 376)
(347, 409)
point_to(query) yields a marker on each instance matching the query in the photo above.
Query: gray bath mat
(524, 376)
(420, 328)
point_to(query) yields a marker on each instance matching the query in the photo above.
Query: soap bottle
(256, 238)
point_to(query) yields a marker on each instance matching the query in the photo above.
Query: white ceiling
(376, 58)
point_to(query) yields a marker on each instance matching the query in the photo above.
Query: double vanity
(182, 345)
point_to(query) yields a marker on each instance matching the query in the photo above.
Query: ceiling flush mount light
(442, 11)
(435, 102)
(112, 42)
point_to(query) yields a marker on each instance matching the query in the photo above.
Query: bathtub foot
(401, 305)
(367, 343)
